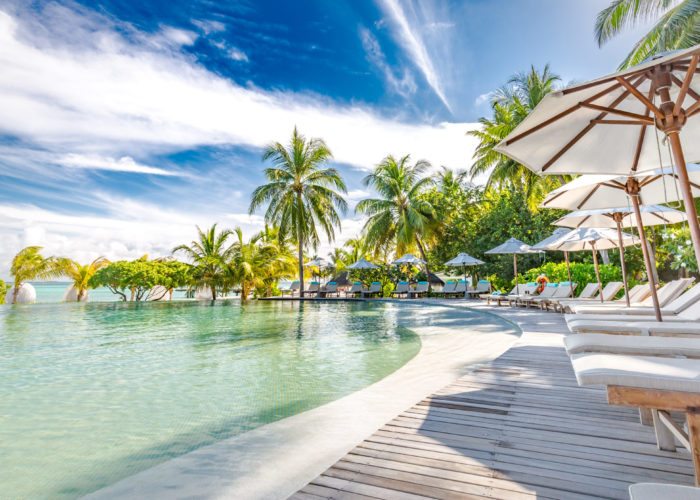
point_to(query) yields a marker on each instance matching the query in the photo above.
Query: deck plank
(518, 427)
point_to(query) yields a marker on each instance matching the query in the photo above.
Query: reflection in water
(92, 393)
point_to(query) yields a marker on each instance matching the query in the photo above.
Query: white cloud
(119, 98)
(409, 36)
(123, 164)
(209, 26)
(238, 55)
(483, 98)
(405, 85)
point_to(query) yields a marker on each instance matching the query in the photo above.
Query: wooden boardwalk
(518, 427)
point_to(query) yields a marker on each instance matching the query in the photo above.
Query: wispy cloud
(409, 36)
(483, 98)
(123, 164)
(405, 85)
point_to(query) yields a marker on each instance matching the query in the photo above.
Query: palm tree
(261, 262)
(301, 193)
(677, 25)
(510, 106)
(400, 214)
(448, 180)
(209, 255)
(81, 274)
(28, 264)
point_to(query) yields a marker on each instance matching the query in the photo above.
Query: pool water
(92, 393)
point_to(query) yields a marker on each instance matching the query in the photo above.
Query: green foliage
(387, 275)
(133, 279)
(676, 243)
(581, 273)
(4, 287)
(677, 26)
(29, 264)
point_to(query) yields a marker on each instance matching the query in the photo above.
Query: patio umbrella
(607, 191)
(618, 218)
(362, 264)
(318, 262)
(593, 239)
(556, 235)
(611, 126)
(408, 260)
(514, 246)
(464, 260)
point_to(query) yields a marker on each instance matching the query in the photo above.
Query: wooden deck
(519, 427)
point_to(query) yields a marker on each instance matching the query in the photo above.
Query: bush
(4, 287)
(581, 273)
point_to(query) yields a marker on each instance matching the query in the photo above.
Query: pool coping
(275, 460)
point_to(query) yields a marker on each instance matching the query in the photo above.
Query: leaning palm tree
(400, 214)
(209, 255)
(510, 105)
(677, 25)
(301, 193)
(81, 274)
(29, 264)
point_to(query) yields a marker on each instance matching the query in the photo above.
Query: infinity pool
(92, 393)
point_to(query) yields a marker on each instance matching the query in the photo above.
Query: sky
(125, 123)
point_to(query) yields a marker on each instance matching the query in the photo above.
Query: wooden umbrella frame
(669, 117)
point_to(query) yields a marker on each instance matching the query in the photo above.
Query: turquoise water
(53, 292)
(92, 393)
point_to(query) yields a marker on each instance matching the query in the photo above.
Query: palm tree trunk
(80, 294)
(301, 264)
(213, 292)
(427, 266)
(15, 292)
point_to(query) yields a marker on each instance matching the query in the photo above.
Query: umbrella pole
(464, 268)
(568, 271)
(647, 257)
(597, 271)
(684, 182)
(622, 262)
(515, 268)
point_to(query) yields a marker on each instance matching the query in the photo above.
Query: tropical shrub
(677, 244)
(4, 287)
(135, 278)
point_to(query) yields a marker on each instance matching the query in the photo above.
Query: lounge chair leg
(664, 437)
(693, 419)
(645, 417)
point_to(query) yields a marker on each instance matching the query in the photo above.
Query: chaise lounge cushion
(658, 491)
(644, 372)
(635, 345)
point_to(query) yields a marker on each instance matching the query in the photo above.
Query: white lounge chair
(355, 289)
(421, 289)
(660, 491)
(608, 293)
(666, 294)
(651, 383)
(588, 293)
(401, 288)
(565, 289)
(313, 289)
(482, 286)
(374, 289)
(500, 297)
(331, 288)
(632, 345)
(548, 292)
(640, 296)
(293, 287)
(447, 289)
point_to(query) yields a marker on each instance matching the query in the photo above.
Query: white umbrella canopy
(318, 262)
(408, 259)
(652, 215)
(514, 246)
(622, 217)
(362, 264)
(464, 259)
(594, 239)
(591, 192)
(611, 126)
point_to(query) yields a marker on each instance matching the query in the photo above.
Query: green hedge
(581, 273)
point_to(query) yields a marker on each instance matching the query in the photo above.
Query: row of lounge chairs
(451, 289)
(654, 366)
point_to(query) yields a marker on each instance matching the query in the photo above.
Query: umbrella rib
(590, 125)
(643, 123)
(660, 217)
(562, 114)
(691, 92)
(588, 196)
(686, 84)
(614, 184)
(692, 109)
(621, 112)
(641, 97)
(642, 135)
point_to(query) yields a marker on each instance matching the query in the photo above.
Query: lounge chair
(608, 293)
(528, 291)
(548, 292)
(331, 288)
(401, 288)
(355, 290)
(374, 289)
(500, 297)
(666, 294)
(447, 289)
(460, 289)
(651, 383)
(313, 289)
(588, 293)
(565, 289)
(293, 287)
(632, 345)
(481, 287)
(421, 289)
(660, 491)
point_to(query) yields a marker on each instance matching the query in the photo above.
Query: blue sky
(123, 123)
